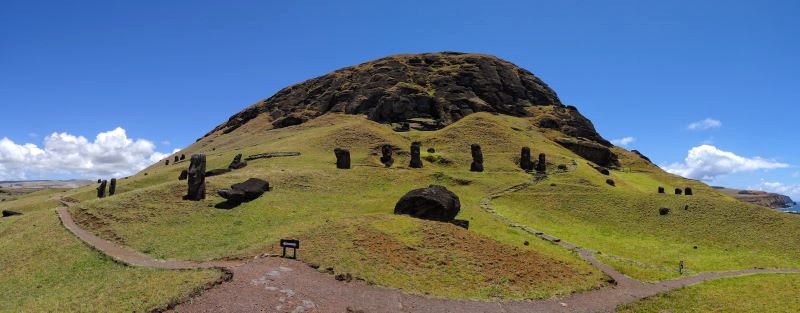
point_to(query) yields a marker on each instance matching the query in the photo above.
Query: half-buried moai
(237, 162)
(196, 178)
(386, 155)
(183, 157)
(525, 161)
(184, 175)
(176, 159)
(112, 187)
(342, 158)
(167, 162)
(660, 189)
(477, 158)
(101, 190)
(678, 191)
(541, 166)
(416, 160)
(687, 191)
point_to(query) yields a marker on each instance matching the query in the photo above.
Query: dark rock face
(678, 191)
(660, 189)
(184, 175)
(687, 191)
(101, 190)
(237, 162)
(610, 182)
(591, 151)
(416, 161)
(541, 166)
(642, 156)
(663, 211)
(570, 122)
(477, 158)
(342, 158)
(440, 86)
(217, 172)
(7, 213)
(245, 191)
(386, 155)
(112, 187)
(525, 161)
(196, 190)
(432, 203)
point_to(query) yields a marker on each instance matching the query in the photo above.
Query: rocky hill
(439, 87)
(762, 198)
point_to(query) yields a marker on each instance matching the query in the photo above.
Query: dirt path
(271, 284)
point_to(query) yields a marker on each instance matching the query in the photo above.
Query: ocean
(795, 208)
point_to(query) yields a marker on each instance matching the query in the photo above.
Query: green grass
(44, 268)
(758, 293)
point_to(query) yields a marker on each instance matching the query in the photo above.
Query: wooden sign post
(292, 244)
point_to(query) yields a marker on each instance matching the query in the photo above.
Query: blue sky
(166, 72)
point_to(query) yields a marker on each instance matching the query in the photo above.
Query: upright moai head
(660, 189)
(342, 158)
(112, 187)
(678, 191)
(196, 190)
(416, 160)
(687, 191)
(183, 157)
(166, 162)
(477, 158)
(176, 159)
(541, 166)
(525, 161)
(386, 155)
(101, 190)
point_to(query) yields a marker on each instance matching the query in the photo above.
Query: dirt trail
(271, 284)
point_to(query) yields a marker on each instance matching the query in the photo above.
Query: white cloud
(708, 123)
(706, 162)
(796, 174)
(623, 141)
(111, 154)
(165, 143)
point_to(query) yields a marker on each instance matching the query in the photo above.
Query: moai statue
(525, 161)
(167, 162)
(416, 161)
(237, 162)
(678, 191)
(176, 159)
(196, 178)
(101, 190)
(541, 166)
(660, 189)
(184, 175)
(386, 155)
(477, 158)
(183, 157)
(687, 191)
(342, 158)
(112, 187)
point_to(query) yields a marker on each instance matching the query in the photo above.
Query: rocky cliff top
(439, 88)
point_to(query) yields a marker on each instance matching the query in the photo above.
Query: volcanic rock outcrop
(443, 87)
(431, 203)
(592, 151)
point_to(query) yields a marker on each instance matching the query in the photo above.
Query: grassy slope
(761, 293)
(45, 268)
(311, 194)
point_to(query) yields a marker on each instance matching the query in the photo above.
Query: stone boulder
(237, 163)
(610, 182)
(342, 158)
(477, 158)
(431, 203)
(196, 189)
(245, 191)
(592, 151)
(663, 211)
